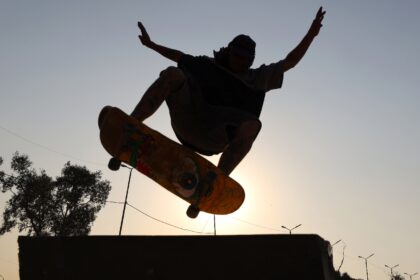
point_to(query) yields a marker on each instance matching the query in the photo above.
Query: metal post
(126, 196)
(391, 268)
(367, 273)
(335, 243)
(411, 275)
(290, 230)
(214, 224)
(342, 259)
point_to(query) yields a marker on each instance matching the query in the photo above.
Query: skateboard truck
(205, 190)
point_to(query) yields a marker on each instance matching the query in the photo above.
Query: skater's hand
(169, 53)
(317, 23)
(144, 37)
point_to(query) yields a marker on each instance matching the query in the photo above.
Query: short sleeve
(268, 77)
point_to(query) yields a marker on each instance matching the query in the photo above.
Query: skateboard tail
(105, 119)
(104, 134)
(102, 115)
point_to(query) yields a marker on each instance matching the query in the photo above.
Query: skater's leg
(240, 145)
(169, 80)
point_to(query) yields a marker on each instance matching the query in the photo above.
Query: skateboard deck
(173, 166)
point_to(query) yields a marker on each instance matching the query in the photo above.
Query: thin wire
(115, 202)
(205, 225)
(163, 222)
(256, 225)
(47, 148)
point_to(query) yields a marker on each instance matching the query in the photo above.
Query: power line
(47, 148)
(163, 222)
(256, 225)
(205, 225)
(115, 202)
(159, 220)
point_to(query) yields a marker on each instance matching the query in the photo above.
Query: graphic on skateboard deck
(175, 167)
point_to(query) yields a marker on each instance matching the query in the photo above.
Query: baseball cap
(243, 45)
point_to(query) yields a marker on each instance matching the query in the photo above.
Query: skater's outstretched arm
(171, 54)
(293, 58)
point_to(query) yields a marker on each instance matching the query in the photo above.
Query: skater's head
(238, 56)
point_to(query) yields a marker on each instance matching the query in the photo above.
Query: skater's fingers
(142, 29)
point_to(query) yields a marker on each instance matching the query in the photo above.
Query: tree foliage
(397, 276)
(65, 206)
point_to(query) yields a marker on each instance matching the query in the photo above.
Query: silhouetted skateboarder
(215, 103)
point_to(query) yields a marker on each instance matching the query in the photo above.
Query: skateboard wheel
(193, 211)
(114, 164)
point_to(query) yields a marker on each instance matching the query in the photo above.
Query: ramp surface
(297, 257)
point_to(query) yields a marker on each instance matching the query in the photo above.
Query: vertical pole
(125, 202)
(367, 273)
(214, 224)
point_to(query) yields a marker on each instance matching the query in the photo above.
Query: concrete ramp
(295, 257)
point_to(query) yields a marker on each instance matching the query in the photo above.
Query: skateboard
(173, 166)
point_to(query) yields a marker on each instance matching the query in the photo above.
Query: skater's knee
(246, 133)
(173, 74)
(252, 127)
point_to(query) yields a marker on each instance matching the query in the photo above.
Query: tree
(79, 195)
(397, 276)
(40, 205)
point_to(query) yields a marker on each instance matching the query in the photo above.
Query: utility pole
(126, 196)
(342, 259)
(336, 242)
(367, 273)
(290, 230)
(332, 248)
(214, 224)
(410, 275)
(391, 268)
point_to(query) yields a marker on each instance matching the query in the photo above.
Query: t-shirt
(220, 87)
(213, 98)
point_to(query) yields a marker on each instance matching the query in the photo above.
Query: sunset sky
(339, 151)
